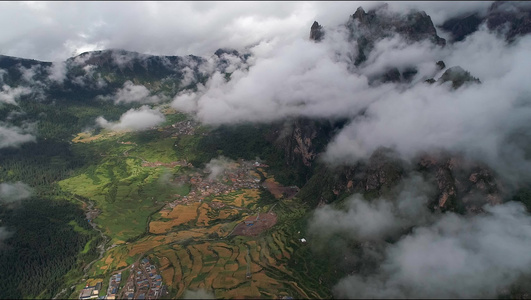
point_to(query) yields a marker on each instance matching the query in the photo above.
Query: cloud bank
(302, 78)
(377, 219)
(38, 31)
(455, 257)
(444, 256)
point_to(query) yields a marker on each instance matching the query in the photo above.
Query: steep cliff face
(373, 178)
(461, 185)
(303, 139)
(460, 27)
(509, 18)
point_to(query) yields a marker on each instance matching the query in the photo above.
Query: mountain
(368, 27)
(248, 208)
(511, 19)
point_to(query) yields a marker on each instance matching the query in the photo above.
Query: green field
(126, 192)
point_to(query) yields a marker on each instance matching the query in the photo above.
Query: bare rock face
(462, 185)
(303, 139)
(303, 145)
(316, 32)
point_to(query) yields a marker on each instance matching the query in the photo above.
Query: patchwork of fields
(188, 228)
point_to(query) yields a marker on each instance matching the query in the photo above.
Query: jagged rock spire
(316, 32)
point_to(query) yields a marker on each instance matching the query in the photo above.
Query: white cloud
(12, 136)
(134, 93)
(198, 294)
(4, 235)
(13, 192)
(217, 166)
(57, 72)
(134, 119)
(163, 28)
(9, 94)
(298, 78)
(129, 93)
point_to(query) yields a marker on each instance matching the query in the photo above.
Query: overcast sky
(53, 31)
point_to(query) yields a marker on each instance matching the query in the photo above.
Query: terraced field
(220, 266)
(193, 259)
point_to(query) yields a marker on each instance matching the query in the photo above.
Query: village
(234, 176)
(144, 282)
(187, 127)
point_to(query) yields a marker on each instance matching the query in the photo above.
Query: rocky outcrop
(372, 178)
(316, 32)
(368, 27)
(222, 51)
(462, 185)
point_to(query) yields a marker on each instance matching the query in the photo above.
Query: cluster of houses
(181, 163)
(239, 176)
(185, 127)
(114, 285)
(90, 292)
(144, 282)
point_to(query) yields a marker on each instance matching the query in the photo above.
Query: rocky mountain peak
(222, 51)
(316, 32)
(368, 27)
(360, 15)
(458, 76)
(414, 25)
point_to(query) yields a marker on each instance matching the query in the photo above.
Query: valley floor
(175, 228)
